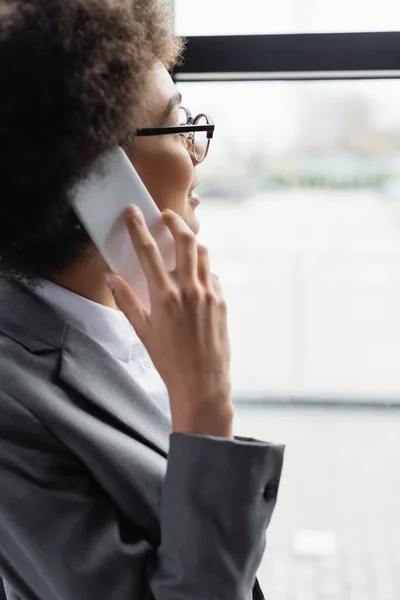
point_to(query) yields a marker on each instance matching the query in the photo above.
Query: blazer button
(271, 491)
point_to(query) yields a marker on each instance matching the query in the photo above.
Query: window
(224, 17)
(301, 211)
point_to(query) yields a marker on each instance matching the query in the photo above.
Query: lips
(194, 199)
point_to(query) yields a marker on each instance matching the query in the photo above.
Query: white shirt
(112, 330)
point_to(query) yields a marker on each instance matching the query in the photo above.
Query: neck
(86, 279)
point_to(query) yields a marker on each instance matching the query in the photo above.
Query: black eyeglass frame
(189, 127)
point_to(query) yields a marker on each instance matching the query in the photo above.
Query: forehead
(161, 90)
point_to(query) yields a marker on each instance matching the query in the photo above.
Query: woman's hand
(186, 331)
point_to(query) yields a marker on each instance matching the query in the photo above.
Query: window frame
(291, 57)
(294, 57)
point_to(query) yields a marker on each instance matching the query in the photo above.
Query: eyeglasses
(196, 132)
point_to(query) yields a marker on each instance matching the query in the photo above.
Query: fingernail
(110, 283)
(133, 211)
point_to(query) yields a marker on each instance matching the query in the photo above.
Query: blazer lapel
(100, 379)
(86, 367)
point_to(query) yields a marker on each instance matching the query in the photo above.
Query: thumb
(127, 301)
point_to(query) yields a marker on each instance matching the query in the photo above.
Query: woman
(107, 492)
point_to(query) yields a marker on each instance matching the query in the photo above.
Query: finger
(203, 268)
(128, 303)
(217, 286)
(221, 330)
(185, 246)
(147, 249)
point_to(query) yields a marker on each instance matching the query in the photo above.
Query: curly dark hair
(73, 77)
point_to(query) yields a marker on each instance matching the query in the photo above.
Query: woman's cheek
(181, 182)
(167, 173)
(176, 176)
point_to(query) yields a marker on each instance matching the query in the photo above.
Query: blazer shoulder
(25, 375)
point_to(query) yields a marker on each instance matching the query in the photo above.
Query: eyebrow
(174, 101)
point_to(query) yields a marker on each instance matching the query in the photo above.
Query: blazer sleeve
(62, 538)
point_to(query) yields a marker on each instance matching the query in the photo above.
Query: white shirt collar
(108, 326)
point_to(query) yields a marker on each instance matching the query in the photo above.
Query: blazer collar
(27, 319)
(85, 366)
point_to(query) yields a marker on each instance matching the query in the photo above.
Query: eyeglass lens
(183, 115)
(200, 140)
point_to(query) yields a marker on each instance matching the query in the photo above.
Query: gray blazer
(99, 499)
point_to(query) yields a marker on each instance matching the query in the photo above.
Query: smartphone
(99, 201)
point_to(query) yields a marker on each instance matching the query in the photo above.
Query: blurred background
(301, 212)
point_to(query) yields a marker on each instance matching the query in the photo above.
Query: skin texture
(168, 171)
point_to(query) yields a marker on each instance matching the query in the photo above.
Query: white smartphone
(99, 201)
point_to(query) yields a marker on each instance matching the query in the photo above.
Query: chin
(194, 225)
(192, 222)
